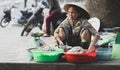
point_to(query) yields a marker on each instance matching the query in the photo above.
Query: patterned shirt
(80, 26)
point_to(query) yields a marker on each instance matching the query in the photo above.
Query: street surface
(13, 47)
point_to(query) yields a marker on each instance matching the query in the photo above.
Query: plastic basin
(50, 56)
(104, 54)
(81, 58)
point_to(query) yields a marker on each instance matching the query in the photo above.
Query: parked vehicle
(36, 20)
(26, 14)
(7, 17)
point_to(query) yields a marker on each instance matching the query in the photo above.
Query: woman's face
(73, 13)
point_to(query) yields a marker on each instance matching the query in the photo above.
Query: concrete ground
(12, 45)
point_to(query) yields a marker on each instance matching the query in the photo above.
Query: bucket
(116, 51)
(116, 48)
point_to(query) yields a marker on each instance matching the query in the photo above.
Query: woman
(54, 14)
(75, 30)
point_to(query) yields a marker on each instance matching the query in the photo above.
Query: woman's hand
(91, 46)
(60, 43)
(90, 49)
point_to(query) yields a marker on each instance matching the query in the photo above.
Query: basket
(104, 54)
(81, 58)
(50, 56)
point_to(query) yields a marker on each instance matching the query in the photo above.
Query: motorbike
(26, 14)
(6, 18)
(36, 20)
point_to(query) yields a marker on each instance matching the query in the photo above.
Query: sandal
(46, 35)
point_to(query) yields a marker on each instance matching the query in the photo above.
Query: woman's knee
(61, 34)
(86, 35)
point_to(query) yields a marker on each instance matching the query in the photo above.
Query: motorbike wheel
(30, 25)
(4, 22)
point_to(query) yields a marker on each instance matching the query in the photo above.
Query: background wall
(106, 10)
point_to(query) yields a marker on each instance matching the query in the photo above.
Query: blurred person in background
(54, 14)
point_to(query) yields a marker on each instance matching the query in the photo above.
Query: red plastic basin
(81, 58)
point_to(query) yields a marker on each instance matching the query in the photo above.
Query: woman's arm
(93, 42)
(56, 33)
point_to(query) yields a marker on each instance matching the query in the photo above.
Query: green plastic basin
(49, 56)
